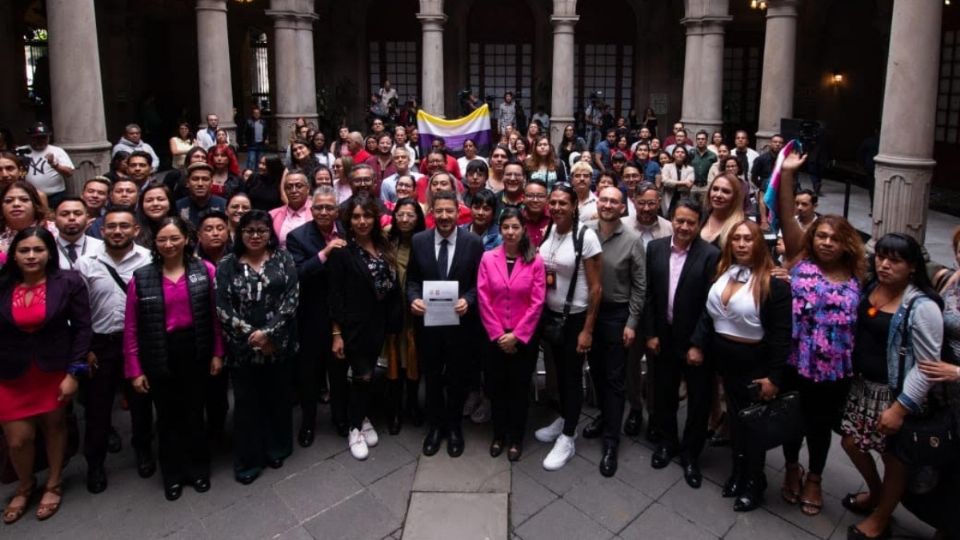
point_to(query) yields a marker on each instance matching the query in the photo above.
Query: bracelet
(337, 333)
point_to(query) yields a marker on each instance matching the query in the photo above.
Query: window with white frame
(398, 62)
(948, 91)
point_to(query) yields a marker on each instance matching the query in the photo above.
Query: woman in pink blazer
(511, 288)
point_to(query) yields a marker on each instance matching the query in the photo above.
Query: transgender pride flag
(474, 126)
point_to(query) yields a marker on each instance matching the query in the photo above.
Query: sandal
(809, 506)
(850, 503)
(791, 493)
(47, 510)
(14, 512)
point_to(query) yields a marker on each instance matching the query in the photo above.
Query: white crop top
(740, 317)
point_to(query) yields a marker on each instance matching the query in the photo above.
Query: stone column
(213, 51)
(295, 74)
(690, 112)
(779, 53)
(904, 164)
(76, 90)
(432, 19)
(710, 87)
(562, 92)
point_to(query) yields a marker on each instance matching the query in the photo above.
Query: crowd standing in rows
(301, 277)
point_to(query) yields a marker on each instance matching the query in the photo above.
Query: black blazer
(364, 320)
(64, 337)
(304, 243)
(776, 317)
(463, 269)
(690, 299)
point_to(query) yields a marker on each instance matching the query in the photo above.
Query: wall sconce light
(837, 78)
(758, 4)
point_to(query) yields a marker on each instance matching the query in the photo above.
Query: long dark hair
(185, 229)
(525, 247)
(274, 169)
(148, 228)
(417, 209)
(39, 210)
(10, 273)
(369, 205)
(255, 216)
(905, 247)
(565, 187)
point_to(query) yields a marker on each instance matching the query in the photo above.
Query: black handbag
(930, 439)
(551, 324)
(772, 423)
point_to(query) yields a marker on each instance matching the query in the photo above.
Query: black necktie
(442, 259)
(72, 252)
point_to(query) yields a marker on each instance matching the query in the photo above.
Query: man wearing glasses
(363, 178)
(297, 211)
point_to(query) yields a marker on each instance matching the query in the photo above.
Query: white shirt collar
(438, 238)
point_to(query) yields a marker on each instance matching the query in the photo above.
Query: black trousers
(739, 364)
(98, 392)
(179, 397)
(608, 361)
(315, 363)
(938, 508)
(670, 367)
(262, 417)
(821, 404)
(569, 368)
(445, 370)
(216, 403)
(141, 417)
(508, 387)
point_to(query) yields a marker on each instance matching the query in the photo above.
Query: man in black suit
(311, 244)
(680, 270)
(445, 254)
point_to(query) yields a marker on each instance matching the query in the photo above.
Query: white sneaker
(551, 432)
(369, 434)
(358, 446)
(481, 415)
(562, 452)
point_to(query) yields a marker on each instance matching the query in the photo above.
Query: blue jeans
(253, 155)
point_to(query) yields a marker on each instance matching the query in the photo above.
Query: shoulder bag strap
(116, 276)
(578, 249)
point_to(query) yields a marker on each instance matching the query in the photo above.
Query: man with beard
(401, 162)
(106, 271)
(71, 222)
(444, 254)
(382, 163)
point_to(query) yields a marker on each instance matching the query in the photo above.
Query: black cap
(39, 129)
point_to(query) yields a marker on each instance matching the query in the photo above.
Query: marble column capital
(212, 5)
(564, 24)
(782, 8)
(296, 20)
(432, 21)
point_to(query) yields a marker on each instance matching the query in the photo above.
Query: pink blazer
(512, 301)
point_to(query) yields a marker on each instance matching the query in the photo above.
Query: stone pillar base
(901, 192)
(557, 125)
(694, 125)
(763, 139)
(90, 159)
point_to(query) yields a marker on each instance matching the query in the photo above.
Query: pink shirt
(328, 238)
(286, 219)
(678, 256)
(176, 305)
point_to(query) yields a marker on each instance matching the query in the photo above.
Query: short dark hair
(212, 214)
(258, 216)
(98, 179)
(484, 197)
(704, 133)
(118, 181)
(142, 154)
(810, 192)
(121, 209)
(71, 198)
(445, 196)
(536, 182)
(478, 165)
(689, 204)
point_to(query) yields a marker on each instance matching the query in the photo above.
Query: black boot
(751, 497)
(737, 482)
(394, 406)
(413, 403)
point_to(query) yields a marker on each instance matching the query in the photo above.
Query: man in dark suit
(311, 244)
(445, 254)
(680, 270)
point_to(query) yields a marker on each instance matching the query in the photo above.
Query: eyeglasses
(646, 204)
(295, 187)
(535, 196)
(256, 232)
(362, 181)
(323, 208)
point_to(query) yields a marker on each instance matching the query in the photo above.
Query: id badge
(551, 279)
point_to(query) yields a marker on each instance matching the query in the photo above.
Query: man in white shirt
(387, 93)
(401, 160)
(49, 165)
(106, 271)
(206, 138)
(71, 222)
(743, 152)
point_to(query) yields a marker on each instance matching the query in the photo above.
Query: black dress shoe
(173, 492)
(750, 499)
(691, 473)
(114, 442)
(455, 443)
(608, 463)
(515, 451)
(394, 425)
(737, 482)
(634, 420)
(594, 429)
(305, 437)
(96, 479)
(201, 484)
(431, 444)
(246, 479)
(661, 458)
(275, 463)
(146, 465)
(496, 447)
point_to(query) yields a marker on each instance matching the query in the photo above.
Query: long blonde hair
(761, 263)
(736, 215)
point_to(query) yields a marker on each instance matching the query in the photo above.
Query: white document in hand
(440, 298)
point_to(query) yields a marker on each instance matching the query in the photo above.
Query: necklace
(874, 309)
(557, 241)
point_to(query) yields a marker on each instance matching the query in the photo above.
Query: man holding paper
(442, 291)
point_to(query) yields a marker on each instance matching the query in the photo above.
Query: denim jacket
(926, 337)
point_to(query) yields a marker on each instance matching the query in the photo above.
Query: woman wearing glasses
(257, 298)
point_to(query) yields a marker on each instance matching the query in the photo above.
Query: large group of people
(308, 277)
